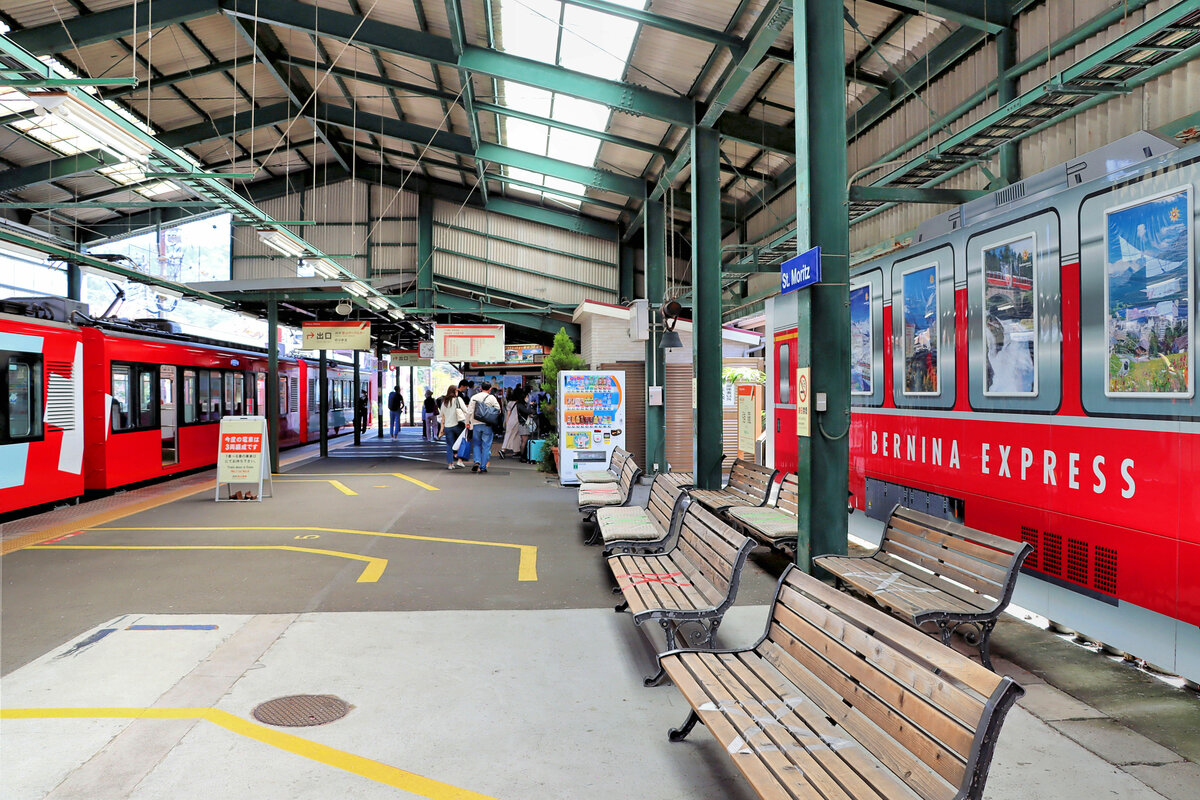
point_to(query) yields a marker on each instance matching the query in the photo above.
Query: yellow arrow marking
(297, 745)
(370, 573)
(341, 487)
(400, 475)
(526, 567)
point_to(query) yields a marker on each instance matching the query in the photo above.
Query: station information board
(481, 344)
(336, 335)
(242, 464)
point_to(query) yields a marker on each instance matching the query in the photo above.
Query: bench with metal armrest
(774, 524)
(610, 475)
(632, 529)
(749, 485)
(594, 496)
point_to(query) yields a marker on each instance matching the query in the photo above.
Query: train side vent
(1077, 561)
(60, 397)
(293, 393)
(1009, 194)
(1030, 535)
(1051, 553)
(1104, 575)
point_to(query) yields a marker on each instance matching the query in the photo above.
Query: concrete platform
(471, 632)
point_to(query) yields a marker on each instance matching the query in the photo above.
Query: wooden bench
(594, 496)
(695, 581)
(749, 485)
(928, 569)
(840, 701)
(611, 475)
(775, 525)
(637, 529)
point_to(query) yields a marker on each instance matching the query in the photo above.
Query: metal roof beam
(989, 16)
(505, 179)
(65, 167)
(215, 68)
(671, 24)
(587, 226)
(232, 125)
(458, 38)
(514, 316)
(103, 26)
(438, 50)
(756, 133)
(588, 176)
(914, 194)
(771, 21)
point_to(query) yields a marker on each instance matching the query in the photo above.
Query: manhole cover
(300, 710)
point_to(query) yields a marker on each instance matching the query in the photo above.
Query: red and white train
(1027, 366)
(96, 407)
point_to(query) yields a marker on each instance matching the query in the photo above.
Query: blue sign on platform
(801, 271)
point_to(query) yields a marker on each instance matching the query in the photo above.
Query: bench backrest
(929, 713)
(716, 550)
(664, 494)
(750, 480)
(788, 499)
(629, 473)
(619, 456)
(985, 563)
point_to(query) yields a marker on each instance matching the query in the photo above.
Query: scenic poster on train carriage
(861, 347)
(1010, 317)
(919, 293)
(591, 421)
(1148, 298)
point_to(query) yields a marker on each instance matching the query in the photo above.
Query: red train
(105, 405)
(1027, 365)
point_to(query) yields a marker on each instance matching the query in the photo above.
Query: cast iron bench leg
(680, 733)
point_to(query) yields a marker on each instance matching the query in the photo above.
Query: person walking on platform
(483, 413)
(363, 409)
(514, 426)
(396, 409)
(429, 416)
(452, 419)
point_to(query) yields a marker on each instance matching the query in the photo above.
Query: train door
(167, 409)
(784, 363)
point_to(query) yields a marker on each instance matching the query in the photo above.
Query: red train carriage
(1027, 365)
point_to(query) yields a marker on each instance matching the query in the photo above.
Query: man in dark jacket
(396, 409)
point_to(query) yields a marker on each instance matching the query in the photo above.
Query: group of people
(478, 419)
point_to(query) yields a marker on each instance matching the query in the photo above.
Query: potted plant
(549, 460)
(561, 356)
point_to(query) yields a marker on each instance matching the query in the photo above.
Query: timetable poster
(591, 421)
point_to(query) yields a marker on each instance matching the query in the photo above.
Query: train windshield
(20, 399)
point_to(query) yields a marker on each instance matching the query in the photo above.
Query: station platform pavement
(469, 631)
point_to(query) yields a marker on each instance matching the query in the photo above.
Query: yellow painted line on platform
(290, 743)
(370, 574)
(526, 567)
(400, 475)
(341, 487)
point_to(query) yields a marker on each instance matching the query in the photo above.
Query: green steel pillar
(323, 376)
(357, 413)
(273, 380)
(706, 302)
(424, 251)
(379, 385)
(655, 232)
(74, 282)
(823, 310)
(1006, 59)
(625, 274)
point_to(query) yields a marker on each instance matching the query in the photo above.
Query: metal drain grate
(302, 710)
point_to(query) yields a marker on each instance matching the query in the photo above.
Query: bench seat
(611, 475)
(749, 485)
(771, 523)
(594, 496)
(643, 529)
(630, 523)
(839, 701)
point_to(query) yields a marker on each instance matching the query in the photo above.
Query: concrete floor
(483, 661)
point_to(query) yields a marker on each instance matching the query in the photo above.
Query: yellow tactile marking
(341, 487)
(400, 475)
(297, 745)
(370, 574)
(526, 567)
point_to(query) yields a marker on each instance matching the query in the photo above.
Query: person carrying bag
(453, 419)
(483, 415)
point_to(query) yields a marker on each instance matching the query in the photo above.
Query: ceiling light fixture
(356, 288)
(324, 267)
(83, 118)
(395, 313)
(377, 303)
(281, 242)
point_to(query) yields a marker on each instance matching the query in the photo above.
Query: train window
(189, 395)
(202, 395)
(919, 301)
(249, 406)
(1010, 317)
(283, 396)
(785, 373)
(20, 400)
(123, 415)
(214, 395)
(145, 396)
(239, 392)
(260, 389)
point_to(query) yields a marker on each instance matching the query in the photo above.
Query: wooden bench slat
(971, 601)
(940, 564)
(949, 664)
(715, 570)
(683, 591)
(903, 594)
(855, 768)
(944, 740)
(997, 559)
(958, 529)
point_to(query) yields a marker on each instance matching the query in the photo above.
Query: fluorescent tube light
(395, 313)
(281, 242)
(323, 267)
(356, 288)
(377, 303)
(83, 118)
(21, 251)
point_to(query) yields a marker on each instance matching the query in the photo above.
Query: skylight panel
(525, 175)
(527, 136)
(596, 43)
(531, 28)
(124, 174)
(573, 147)
(583, 113)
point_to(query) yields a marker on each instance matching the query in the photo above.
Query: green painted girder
(771, 21)
(525, 319)
(623, 141)
(588, 176)
(500, 294)
(397, 129)
(989, 16)
(215, 68)
(688, 29)
(885, 36)
(131, 204)
(588, 226)
(458, 38)
(914, 194)
(232, 125)
(103, 26)
(746, 129)
(64, 167)
(1131, 38)
(322, 67)
(438, 50)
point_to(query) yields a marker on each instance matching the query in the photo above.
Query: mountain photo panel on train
(1148, 296)
(591, 420)
(1010, 317)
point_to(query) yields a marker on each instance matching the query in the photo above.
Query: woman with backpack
(483, 416)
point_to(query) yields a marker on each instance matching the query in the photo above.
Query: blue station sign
(801, 271)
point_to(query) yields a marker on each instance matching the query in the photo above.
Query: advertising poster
(1148, 296)
(1010, 317)
(919, 288)
(242, 464)
(861, 349)
(591, 421)
(749, 418)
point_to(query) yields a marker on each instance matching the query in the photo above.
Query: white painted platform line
(514, 705)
